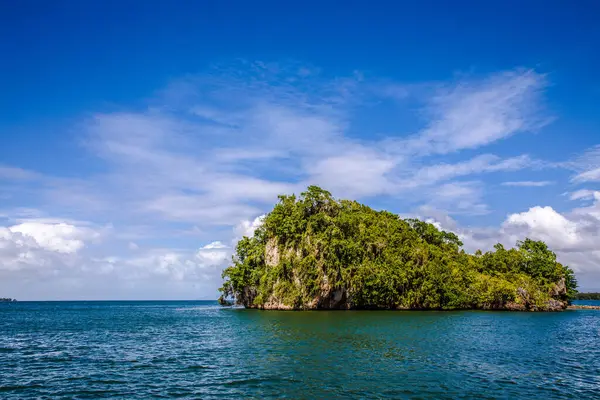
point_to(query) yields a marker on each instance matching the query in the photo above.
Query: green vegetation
(316, 252)
(587, 296)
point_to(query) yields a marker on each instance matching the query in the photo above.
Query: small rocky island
(7, 300)
(317, 252)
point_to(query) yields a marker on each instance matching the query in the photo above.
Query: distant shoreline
(582, 307)
(587, 296)
(101, 301)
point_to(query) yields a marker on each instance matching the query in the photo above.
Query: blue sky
(140, 140)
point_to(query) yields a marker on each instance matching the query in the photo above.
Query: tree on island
(317, 252)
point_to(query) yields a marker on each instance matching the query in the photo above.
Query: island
(316, 252)
(7, 300)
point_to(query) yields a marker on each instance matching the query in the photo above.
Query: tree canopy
(315, 251)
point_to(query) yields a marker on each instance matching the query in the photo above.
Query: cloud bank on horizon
(164, 188)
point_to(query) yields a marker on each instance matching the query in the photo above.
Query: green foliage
(314, 251)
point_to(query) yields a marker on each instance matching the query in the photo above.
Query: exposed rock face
(273, 304)
(560, 289)
(513, 306)
(272, 253)
(556, 305)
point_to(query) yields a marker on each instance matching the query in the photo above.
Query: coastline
(506, 308)
(582, 307)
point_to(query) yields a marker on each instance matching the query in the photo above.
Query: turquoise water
(139, 350)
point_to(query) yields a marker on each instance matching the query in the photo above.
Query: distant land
(317, 252)
(587, 296)
(7, 300)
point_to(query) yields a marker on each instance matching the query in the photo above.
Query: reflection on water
(198, 350)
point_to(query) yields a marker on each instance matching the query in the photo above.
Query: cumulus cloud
(213, 254)
(247, 227)
(574, 236)
(59, 237)
(41, 248)
(547, 225)
(178, 265)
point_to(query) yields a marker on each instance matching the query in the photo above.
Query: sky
(140, 140)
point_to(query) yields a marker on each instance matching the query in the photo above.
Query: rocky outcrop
(559, 289)
(272, 253)
(272, 304)
(7, 300)
(555, 305)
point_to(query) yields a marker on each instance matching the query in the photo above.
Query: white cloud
(13, 173)
(546, 224)
(42, 249)
(213, 254)
(472, 114)
(528, 183)
(177, 265)
(478, 165)
(247, 227)
(593, 175)
(199, 209)
(574, 236)
(587, 166)
(457, 197)
(585, 194)
(59, 237)
(214, 245)
(359, 173)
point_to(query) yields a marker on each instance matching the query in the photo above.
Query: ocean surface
(197, 350)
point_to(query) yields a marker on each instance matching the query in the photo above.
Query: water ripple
(139, 350)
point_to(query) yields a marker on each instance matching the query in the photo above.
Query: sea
(199, 350)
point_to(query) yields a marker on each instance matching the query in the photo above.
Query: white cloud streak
(587, 166)
(472, 114)
(528, 183)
